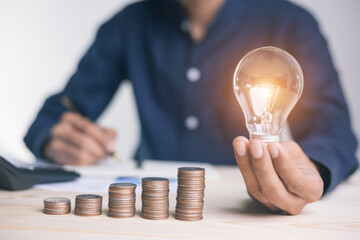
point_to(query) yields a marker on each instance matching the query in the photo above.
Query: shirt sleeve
(91, 88)
(320, 121)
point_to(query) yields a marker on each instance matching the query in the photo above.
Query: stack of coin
(190, 193)
(57, 205)
(155, 198)
(122, 200)
(88, 205)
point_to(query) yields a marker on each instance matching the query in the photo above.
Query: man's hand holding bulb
(267, 84)
(278, 175)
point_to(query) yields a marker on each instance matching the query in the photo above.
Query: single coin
(155, 179)
(56, 200)
(89, 197)
(196, 218)
(123, 185)
(191, 169)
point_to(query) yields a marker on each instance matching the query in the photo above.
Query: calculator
(14, 178)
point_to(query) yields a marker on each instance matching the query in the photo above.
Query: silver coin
(56, 200)
(88, 197)
(123, 185)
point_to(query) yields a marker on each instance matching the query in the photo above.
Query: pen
(66, 102)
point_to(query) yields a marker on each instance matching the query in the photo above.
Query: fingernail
(256, 150)
(110, 146)
(273, 150)
(240, 148)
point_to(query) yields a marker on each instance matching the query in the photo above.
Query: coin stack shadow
(190, 194)
(122, 200)
(155, 198)
(88, 205)
(57, 205)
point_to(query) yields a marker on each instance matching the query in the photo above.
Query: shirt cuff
(332, 167)
(36, 138)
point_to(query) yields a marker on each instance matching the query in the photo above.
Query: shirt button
(193, 74)
(192, 122)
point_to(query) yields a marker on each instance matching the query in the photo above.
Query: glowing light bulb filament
(266, 116)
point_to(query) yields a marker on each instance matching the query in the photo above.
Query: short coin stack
(190, 193)
(88, 205)
(122, 200)
(57, 205)
(155, 198)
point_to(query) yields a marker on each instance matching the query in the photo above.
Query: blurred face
(200, 13)
(200, 6)
(190, 3)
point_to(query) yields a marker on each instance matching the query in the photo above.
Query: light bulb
(267, 84)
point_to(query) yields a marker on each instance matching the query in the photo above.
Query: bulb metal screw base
(265, 138)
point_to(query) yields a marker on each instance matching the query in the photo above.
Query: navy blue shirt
(183, 89)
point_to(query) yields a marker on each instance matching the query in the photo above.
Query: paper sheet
(97, 185)
(107, 168)
(149, 168)
(97, 178)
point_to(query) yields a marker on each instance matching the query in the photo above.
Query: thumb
(110, 132)
(111, 135)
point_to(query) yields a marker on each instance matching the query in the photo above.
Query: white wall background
(41, 42)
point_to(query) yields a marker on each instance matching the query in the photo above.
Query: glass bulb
(267, 84)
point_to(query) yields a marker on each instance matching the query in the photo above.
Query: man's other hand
(76, 140)
(278, 175)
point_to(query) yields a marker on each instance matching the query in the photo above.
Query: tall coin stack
(190, 193)
(57, 205)
(122, 200)
(155, 198)
(88, 205)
